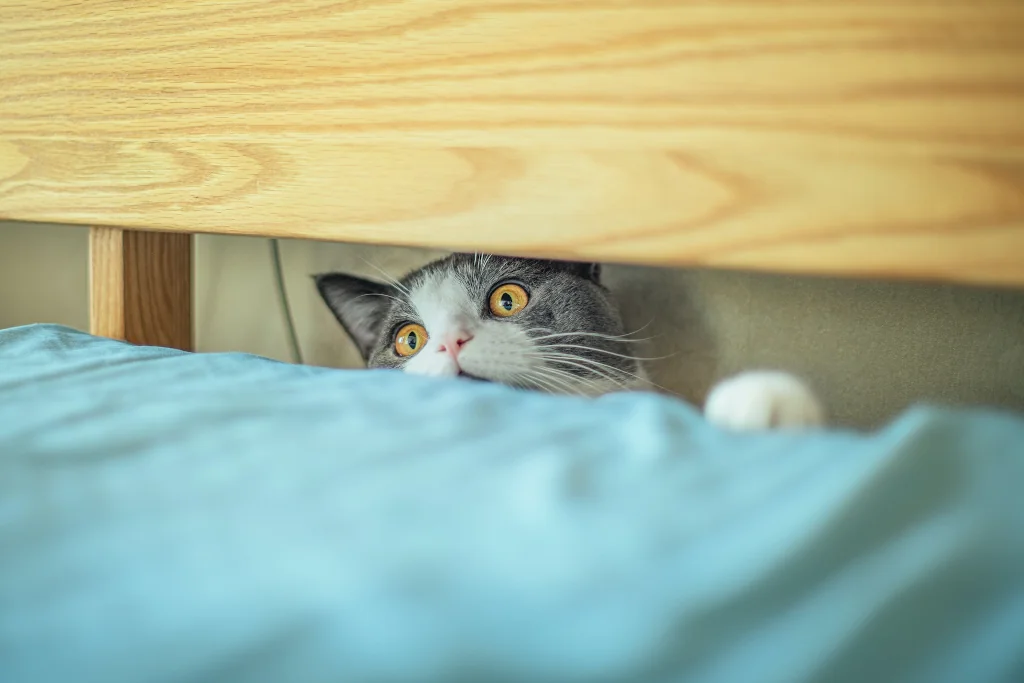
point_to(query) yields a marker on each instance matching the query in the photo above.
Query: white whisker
(534, 381)
(553, 385)
(600, 334)
(594, 366)
(566, 381)
(555, 376)
(595, 369)
(592, 386)
(638, 359)
(386, 296)
(608, 337)
(392, 281)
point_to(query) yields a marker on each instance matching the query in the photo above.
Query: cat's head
(539, 324)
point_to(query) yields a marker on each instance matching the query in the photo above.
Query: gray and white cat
(530, 323)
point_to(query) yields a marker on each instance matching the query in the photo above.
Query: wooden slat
(106, 282)
(140, 286)
(877, 137)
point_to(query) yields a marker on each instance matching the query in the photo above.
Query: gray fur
(566, 299)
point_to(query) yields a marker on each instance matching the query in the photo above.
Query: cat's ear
(587, 271)
(359, 305)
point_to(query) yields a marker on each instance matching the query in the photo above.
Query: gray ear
(359, 305)
(587, 271)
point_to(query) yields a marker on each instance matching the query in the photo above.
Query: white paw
(763, 400)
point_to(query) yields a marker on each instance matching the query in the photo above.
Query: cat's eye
(409, 339)
(508, 299)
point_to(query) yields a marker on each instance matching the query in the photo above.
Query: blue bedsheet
(168, 517)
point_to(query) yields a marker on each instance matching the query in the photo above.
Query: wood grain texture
(878, 137)
(106, 282)
(140, 286)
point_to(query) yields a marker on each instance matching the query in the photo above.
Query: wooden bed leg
(140, 286)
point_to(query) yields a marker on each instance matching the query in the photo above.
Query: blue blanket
(170, 517)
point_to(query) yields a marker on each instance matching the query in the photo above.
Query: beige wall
(871, 348)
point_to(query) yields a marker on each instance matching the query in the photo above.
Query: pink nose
(454, 343)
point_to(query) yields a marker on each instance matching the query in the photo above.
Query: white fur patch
(498, 350)
(763, 400)
(444, 309)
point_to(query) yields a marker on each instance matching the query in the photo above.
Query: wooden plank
(140, 286)
(106, 282)
(860, 138)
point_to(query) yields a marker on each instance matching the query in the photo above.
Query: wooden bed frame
(848, 137)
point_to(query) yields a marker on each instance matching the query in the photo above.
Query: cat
(534, 324)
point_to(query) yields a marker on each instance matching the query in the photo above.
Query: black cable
(282, 295)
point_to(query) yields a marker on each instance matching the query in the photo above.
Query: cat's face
(531, 323)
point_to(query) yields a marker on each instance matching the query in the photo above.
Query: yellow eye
(410, 339)
(508, 299)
